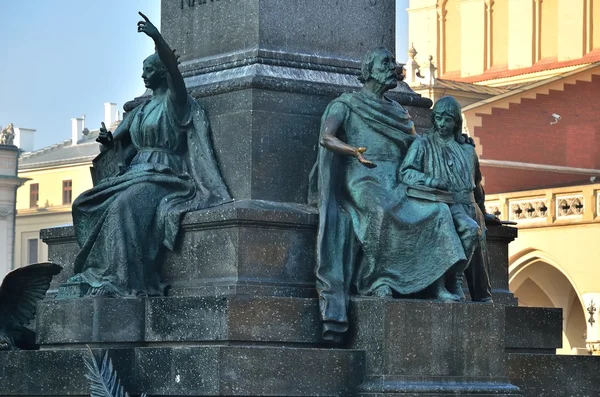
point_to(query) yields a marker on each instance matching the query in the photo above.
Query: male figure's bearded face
(444, 124)
(384, 70)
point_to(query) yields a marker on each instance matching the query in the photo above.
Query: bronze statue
(7, 135)
(441, 167)
(124, 223)
(373, 239)
(20, 292)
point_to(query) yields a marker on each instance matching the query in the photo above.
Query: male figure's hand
(358, 153)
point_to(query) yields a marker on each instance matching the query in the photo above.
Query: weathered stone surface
(55, 373)
(90, 320)
(554, 375)
(247, 247)
(271, 156)
(423, 346)
(302, 31)
(267, 77)
(62, 249)
(178, 319)
(533, 329)
(189, 371)
(498, 238)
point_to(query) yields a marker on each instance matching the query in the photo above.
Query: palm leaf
(103, 381)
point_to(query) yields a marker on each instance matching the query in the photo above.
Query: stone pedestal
(429, 348)
(242, 317)
(265, 70)
(218, 370)
(498, 238)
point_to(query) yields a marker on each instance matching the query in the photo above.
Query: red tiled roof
(544, 64)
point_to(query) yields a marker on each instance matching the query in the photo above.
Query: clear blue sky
(60, 59)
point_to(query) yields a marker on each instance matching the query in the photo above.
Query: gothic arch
(537, 279)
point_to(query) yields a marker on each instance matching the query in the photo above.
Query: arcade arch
(537, 280)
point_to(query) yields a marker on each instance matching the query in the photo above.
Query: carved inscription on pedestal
(193, 3)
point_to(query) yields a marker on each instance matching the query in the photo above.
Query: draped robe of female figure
(370, 233)
(122, 223)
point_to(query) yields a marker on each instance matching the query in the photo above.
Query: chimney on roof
(111, 116)
(24, 138)
(76, 130)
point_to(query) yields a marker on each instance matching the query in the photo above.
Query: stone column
(9, 182)
(265, 70)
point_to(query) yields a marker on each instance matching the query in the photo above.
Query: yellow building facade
(503, 42)
(55, 175)
(554, 260)
(55, 187)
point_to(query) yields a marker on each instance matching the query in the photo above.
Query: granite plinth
(252, 247)
(239, 319)
(265, 137)
(554, 375)
(430, 348)
(245, 247)
(62, 249)
(267, 77)
(498, 238)
(317, 30)
(533, 329)
(189, 371)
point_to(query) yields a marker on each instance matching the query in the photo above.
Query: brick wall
(523, 133)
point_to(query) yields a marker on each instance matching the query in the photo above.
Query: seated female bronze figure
(123, 223)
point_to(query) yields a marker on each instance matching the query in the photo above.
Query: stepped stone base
(247, 247)
(555, 375)
(268, 346)
(430, 348)
(142, 322)
(189, 371)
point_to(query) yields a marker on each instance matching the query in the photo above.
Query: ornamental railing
(544, 207)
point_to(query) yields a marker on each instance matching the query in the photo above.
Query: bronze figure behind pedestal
(374, 239)
(124, 222)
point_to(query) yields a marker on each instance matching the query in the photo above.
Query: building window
(32, 251)
(67, 192)
(34, 195)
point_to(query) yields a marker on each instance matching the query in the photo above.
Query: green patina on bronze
(124, 222)
(377, 235)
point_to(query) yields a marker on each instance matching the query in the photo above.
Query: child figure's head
(446, 118)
